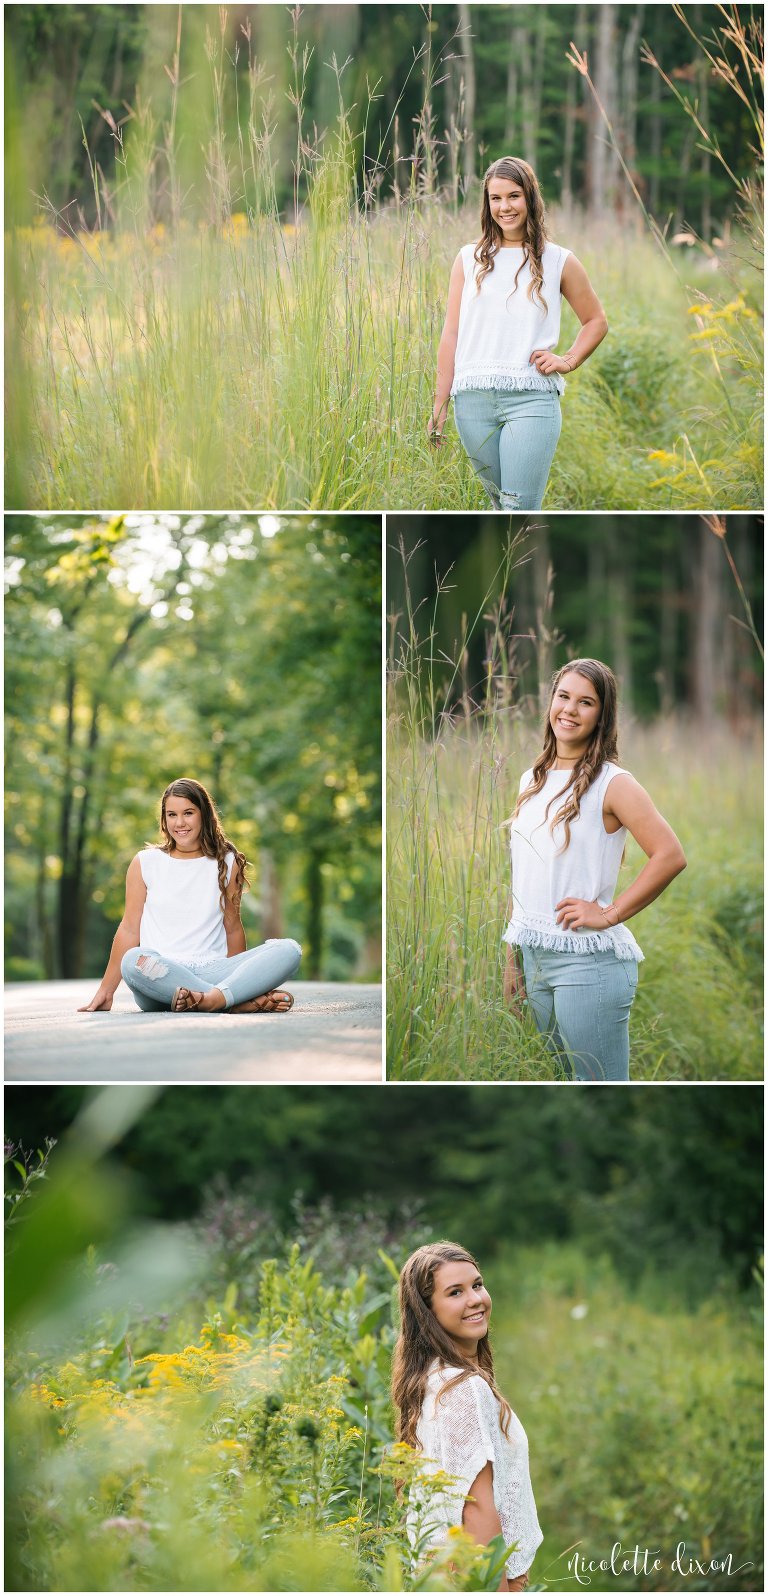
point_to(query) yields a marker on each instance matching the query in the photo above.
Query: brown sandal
(179, 1006)
(274, 1002)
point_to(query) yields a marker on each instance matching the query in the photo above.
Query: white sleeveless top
(459, 1435)
(589, 868)
(182, 916)
(500, 327)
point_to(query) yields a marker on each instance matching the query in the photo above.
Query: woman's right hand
(435, 431)
(102, 1001)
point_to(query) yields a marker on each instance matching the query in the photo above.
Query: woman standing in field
(180, 944)
(568, 832)
(450, 1409)
(496, 356)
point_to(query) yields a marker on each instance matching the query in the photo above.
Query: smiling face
(184, 824)
(573, 714)
(461, 1305)
(508, 208)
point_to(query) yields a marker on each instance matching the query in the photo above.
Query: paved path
(331, 1035)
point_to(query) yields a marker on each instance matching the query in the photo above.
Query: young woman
(180, 944)
(450, 1409)
(497, 351)
(568, 831)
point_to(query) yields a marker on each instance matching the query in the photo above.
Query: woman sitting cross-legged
(180, 944)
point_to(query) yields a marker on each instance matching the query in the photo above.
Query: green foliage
(457, 748)
(69, 64)
(208, 349)
(243, 651)
(258, 1455)
(696, 1015)
(620, 1173)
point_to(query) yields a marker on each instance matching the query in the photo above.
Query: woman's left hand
(548, 363)
(578, 914)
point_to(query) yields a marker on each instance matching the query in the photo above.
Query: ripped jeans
(510, 438)
(244, 976)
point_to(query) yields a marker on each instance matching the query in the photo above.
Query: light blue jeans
(581, 1003)
(244, 976)
(511, 440)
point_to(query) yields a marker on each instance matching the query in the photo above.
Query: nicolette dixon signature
(644, 1560)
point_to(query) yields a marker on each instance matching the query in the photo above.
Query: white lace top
(460, 1434)
(182, 916)
(542, 874)
(500, 327)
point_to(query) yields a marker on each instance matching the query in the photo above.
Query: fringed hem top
(543, 873)
(500, 326)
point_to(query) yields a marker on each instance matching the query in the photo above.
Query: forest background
(203, 1319)
(242, 651)
(218, 216)
(481, 612)
(73, 60)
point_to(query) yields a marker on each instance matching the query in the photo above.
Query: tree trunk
(654, 191)
(510, 111)
(667, 638)
(543, 595)
(629, 75)
(707, 695)
(596, 586)
(314, 887)
(745, 675)
(521, 45)
(44, 949)
(569, 137)
(620, 620)
(684, 172)
(271, 906)
(65, 938)
(466, 50)
(703, 70)
(601, 162)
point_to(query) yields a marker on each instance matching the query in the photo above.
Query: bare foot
(275, 1002)
(185, 1000)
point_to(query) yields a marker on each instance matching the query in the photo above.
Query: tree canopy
(244, 651)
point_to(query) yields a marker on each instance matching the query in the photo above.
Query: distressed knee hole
(153, 968)
(510, 501)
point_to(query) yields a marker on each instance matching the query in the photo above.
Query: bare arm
(233, 925)
(126, 936)
(480, 1518)
(446, 351)
(577, 289)
(628, 804)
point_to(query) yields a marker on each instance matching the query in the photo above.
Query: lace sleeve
(457, 1437)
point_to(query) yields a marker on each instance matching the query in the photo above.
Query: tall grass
(453, 769)
(201, 349)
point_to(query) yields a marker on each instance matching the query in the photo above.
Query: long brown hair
(212, 839)
(513, 170)
(602, 746)
(422, 1339)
